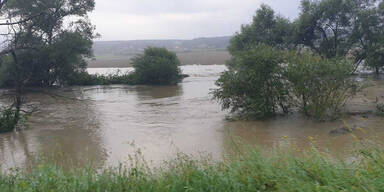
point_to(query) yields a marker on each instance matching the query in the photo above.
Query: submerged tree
(256, 86)
(321, 86)
(266, 81)
(306, 63)
(40, 49)
(157, 66)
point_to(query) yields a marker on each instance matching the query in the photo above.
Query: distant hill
(196, 51)
(137, 46)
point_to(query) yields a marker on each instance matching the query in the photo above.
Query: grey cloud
(178, 19)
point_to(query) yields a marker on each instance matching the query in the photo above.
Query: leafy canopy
(267, 28)
(157, 66)
(45, 51)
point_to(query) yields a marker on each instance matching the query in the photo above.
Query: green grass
(256, 171)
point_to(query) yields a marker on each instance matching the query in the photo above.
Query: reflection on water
(63, 129)
(100, 123)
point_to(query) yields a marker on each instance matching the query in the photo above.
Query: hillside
(196, 51)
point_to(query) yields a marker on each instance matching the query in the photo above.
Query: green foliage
(264, 81)
(330, 28)
(266, 28)
(7, 120)
(157, 66)
(325, 26)
(321, 85)
(255, 85)
(369, 32)
(340, 28)
(317, 82)
(43, 50)
(283, 171)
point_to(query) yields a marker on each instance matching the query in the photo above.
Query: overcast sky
(178, 19)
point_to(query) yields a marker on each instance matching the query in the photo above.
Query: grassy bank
(277, 171)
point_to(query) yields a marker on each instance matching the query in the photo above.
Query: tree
(327, 26)
(266, 28)
(266, 81)
(40, 49)
(368, 32)
(157, 66)
(256, 86)
(58, 50)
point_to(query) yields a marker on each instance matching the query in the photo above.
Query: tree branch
(2, 3)
(22, 21)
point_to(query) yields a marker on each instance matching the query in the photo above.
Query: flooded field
(106, 124)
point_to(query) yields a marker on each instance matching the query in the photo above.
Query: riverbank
(165, 120)
(203, 57)
(276, 170)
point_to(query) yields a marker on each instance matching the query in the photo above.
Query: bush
(157, 66)
(322, 86)
(7, 120)
(254, 86)
(264, 81)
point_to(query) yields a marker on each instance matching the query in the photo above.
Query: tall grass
(255, 171)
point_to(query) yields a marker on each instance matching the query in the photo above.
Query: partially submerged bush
(157, 66)
(264, 81)
(322, 86)
(255, 85)
(7, 120)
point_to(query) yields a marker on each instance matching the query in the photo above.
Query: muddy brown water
(106, 124)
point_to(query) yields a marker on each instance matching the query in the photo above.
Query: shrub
(7, 120)
(254, 85)
(157, 66)
(322, 86)
(264, 81)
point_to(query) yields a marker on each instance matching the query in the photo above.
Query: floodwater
(106, 124)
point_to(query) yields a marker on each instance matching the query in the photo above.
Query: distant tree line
(279, 65)
(329, 28)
